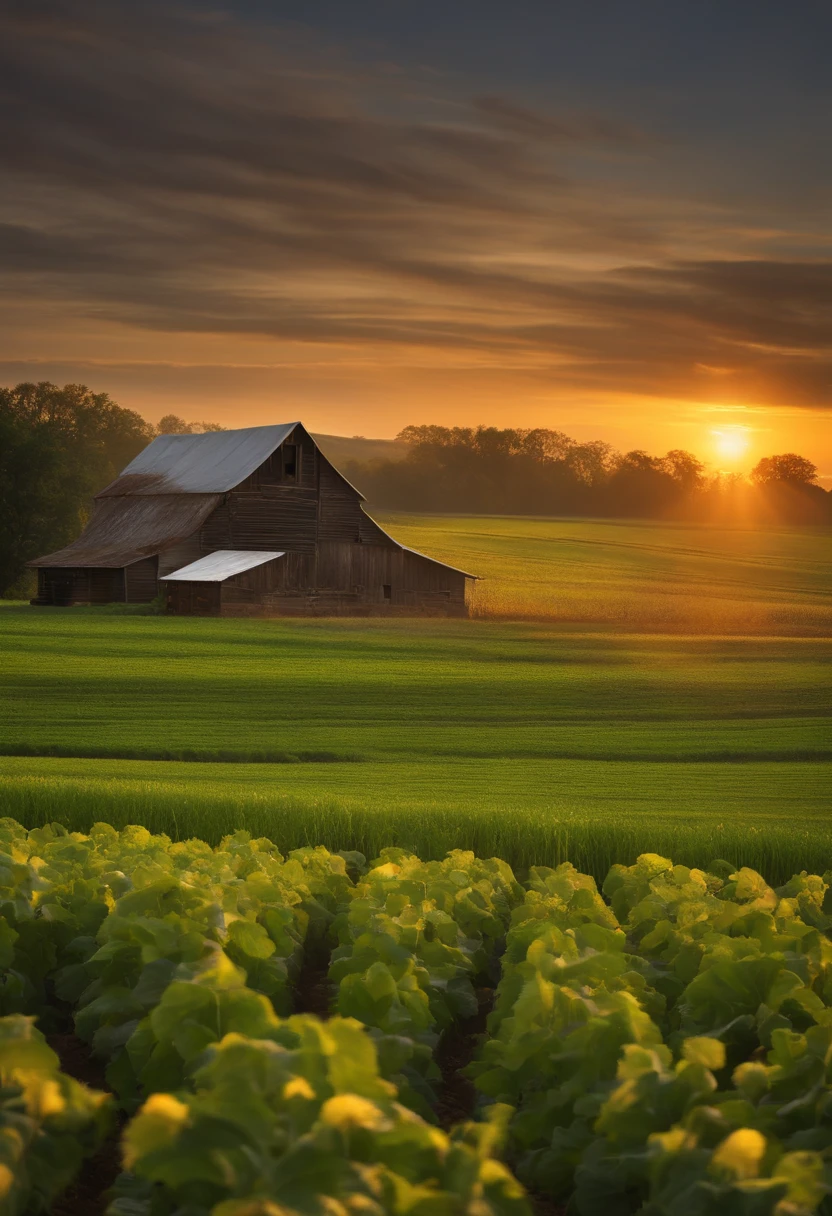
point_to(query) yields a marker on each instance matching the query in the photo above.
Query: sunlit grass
(665, 689)
(583, 820)
(660, 577)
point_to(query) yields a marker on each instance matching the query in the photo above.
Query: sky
(608, 217)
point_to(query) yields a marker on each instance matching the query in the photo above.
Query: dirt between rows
(456, 1095)
(89, 1193)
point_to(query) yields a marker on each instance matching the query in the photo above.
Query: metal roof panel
(213, 463)
(218, 566)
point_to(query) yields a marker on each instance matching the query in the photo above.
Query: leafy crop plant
(661, 1046)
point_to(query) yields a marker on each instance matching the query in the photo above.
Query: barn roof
(124, 530)
(218, 566)
(212, 463)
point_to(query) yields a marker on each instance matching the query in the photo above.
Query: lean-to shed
(262, 491)
(226, 577)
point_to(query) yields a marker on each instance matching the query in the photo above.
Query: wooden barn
(247, 522)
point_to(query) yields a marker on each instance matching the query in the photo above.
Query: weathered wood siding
(273, 517)
(340, 513)
(365, 568)
(180, 555)
(62, 586)
(287, 573)
(193, 599)
(141, 584)
(353, 579)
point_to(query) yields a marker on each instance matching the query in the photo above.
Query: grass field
(533, 739)
(678, 577)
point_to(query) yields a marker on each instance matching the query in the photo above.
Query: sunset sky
(611, 217)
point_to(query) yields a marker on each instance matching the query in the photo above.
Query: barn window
(290, 461)
(388, 591)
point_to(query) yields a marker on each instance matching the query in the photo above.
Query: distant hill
(342, 448)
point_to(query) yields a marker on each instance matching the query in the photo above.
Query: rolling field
(636, 575)
(534, 740)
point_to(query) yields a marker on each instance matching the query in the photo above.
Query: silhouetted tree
(790, 468)
(172, 424)
(58, 446)
(787, 486)
(685, 469)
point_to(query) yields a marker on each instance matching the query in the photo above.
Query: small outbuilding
(223, 581)
(267, 494)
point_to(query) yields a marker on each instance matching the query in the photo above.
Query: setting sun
(731, 444)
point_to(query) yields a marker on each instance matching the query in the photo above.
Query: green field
(534, 739)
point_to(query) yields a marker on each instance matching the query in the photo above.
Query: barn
(242, 523)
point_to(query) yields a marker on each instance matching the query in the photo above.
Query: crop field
(316, 1034)
(537, 740)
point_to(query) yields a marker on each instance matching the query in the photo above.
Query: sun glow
(731, 444)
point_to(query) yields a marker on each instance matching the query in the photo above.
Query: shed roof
(218, 566)
(124, 530)
(213, 463)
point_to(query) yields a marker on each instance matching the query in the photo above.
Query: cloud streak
(172, 172)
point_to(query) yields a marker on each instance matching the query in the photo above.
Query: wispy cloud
(181, 173)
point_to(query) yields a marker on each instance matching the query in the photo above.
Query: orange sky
(365, 226)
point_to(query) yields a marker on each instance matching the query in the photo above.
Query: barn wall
(64, 586)
(279, 517)
(193, 599)
(367, 568)
(353, 580)
(341, 517)
(309, 460)
(273, 517)
(424, 575)
(288, 573)
(106, 586)
(141, 583)
(180, 555)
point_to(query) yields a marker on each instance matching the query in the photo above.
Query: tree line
(512, 471)
(60, 446)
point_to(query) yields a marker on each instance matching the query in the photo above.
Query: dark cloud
(189, 173)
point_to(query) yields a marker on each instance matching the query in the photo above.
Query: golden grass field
(672, 577)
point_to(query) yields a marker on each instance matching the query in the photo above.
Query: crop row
(669, 1051)
(177, 962)
(666, 1049)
